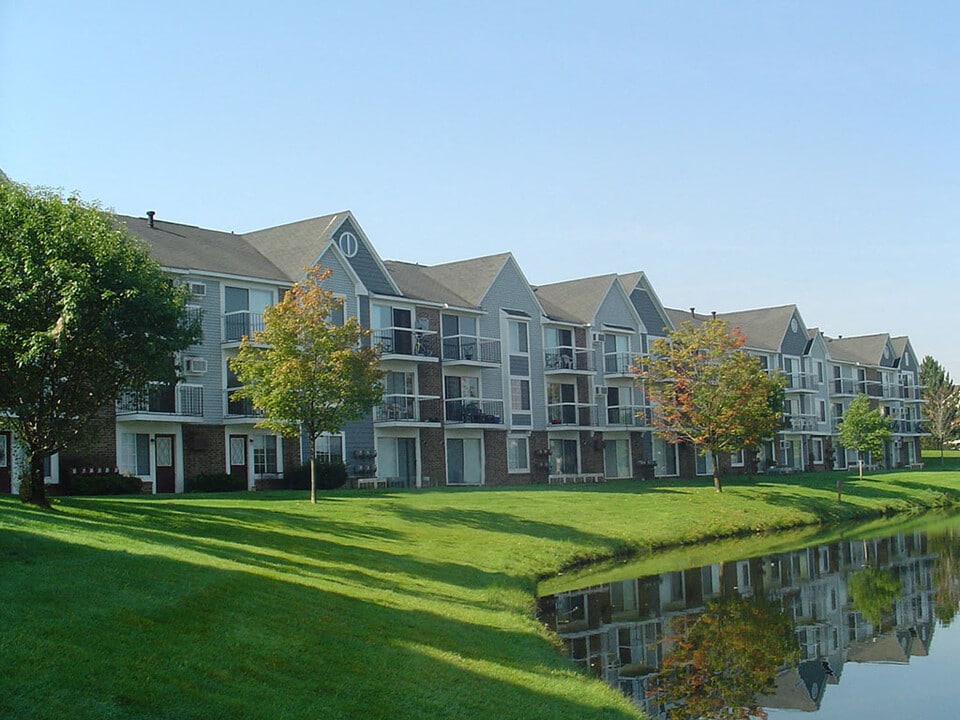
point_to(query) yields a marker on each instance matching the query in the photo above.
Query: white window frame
(525, 455)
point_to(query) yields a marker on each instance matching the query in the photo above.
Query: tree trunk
(716, 473)
(840, 488)
(313, 477)
(861, 467)
(32, 490)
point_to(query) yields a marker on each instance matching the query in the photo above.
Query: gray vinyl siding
(340, 283)
(794, 343)
(615, 311)
(510, 290)
(365, 264)
(655, 323)
(212, 380)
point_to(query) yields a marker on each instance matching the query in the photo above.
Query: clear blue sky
(743, 154)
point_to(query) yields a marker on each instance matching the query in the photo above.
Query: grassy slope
(374, 605)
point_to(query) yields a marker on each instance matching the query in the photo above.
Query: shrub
(330, 476)
(105, 484)
(214, 482)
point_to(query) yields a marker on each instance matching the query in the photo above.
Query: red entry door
(6, 460)
(238, 457)
(166, 470)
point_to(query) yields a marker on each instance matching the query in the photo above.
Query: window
(518, 454)
(459, 337)
(243, 311)
(616, 353)
(562, 403)
(135, 454)
(704, 463)
(518, 337)
(817, 451)
(616, 459)
(462, 398)
(736, 459)
(464, 461)
(822, 410)
(564, 459)
(519, 394)
(264, 454)
(337, 314)
(348, 244)
(665, 457)
(329, 448)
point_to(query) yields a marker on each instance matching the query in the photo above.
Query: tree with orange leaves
(706, 390)
(305, 371)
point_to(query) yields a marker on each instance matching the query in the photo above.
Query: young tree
(941, 407)
(707, 391)
(306, 372)
(863, 430)
(85, 313)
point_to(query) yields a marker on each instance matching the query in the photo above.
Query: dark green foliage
(330, 476)
(105, 484)
(214, 482)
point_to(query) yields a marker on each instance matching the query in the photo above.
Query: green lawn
(367, 605)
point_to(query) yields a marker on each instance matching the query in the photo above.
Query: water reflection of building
(620, 630)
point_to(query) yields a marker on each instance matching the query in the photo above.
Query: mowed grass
(366, 605)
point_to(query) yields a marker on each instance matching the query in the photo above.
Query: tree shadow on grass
(91, 633)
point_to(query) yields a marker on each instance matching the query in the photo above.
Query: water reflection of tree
(873, 592)
(720, 660)
(946, 575)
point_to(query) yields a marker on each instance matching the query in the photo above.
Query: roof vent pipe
(150, 214)
(714, 314)
(693, 313)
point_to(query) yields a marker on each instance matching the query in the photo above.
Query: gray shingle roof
(864, 349)
(471, 278)
(578, 299)
(764, 327)
(414, 282)
(187, 247)
(297, 245)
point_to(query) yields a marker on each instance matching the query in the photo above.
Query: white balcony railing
(160, 399)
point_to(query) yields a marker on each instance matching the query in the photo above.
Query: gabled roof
(647, 304)
(578, 299)
(414, 282)
(863, 349)
(764, 328)
(186, 247)
(297, 245)
(472, 278)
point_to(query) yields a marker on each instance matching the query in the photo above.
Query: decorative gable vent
(196, 366)
(197, 289)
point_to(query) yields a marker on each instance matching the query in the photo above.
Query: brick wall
(591, 452)
(204, 450)
(539, 460)
(432, 456)
(495, 460)
(96, 447)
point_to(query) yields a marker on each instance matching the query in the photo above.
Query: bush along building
(488, 380)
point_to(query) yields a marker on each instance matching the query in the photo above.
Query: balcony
(627, 416)
(407, 409)
(470, 350)
(566, 359)
(402, 342)
(240, 324)
(571, 414)
(801, 382)
(843, 387)
(908, 427)
(804, 422)
(239, 407)
(162, 400)
(618, 364)
(473, 411)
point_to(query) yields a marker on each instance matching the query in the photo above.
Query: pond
(849, 622)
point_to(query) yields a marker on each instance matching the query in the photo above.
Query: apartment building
(488, 379)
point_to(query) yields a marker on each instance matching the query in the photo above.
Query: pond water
(855, 624)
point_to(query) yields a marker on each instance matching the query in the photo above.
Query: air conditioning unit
(196, 366)
(198, 289)
(600, 390)
(598, 337)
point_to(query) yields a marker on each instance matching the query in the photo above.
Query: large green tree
(941, 406)
(863, 429)
(306, 372)
(707, 391)
(85, 313)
